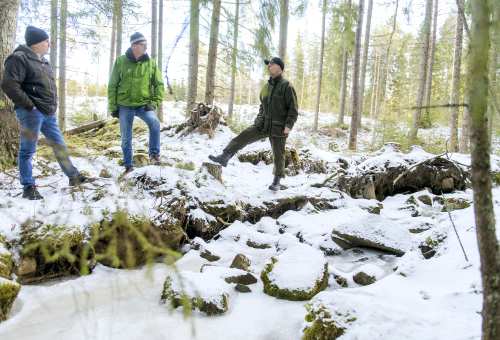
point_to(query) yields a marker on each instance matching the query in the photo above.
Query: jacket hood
(130, 56)
(29, 52)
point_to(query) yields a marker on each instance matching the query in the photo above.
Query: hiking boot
(80, 179)
(126, 172)
(32, 193)
(276, 184)
(155, 160)
(223, 158)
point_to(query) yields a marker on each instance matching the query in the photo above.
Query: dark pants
(254, 134)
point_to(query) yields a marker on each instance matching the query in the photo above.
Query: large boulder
(299, 273)
(204, 292)
(376, 232)
(8, 293)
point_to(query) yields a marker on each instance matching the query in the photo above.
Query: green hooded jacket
(131, 82)
(278, 108)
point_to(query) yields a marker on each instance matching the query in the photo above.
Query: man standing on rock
(277, 114)
(129, 93)
(29, 82)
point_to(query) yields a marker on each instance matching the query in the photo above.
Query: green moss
(8, 293)
(191, 303)
(256, 245)
(6, 261)
(496, 179)
(54, 235)
(451, 204)
(322, 328)
(291, 295)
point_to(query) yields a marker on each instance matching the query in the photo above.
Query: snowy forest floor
(439, 298)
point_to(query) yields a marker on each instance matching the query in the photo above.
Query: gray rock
(448, 184)
(343, 243)
(242, 288)
(26, 265)
(240, 261)
(364, 279)
(256, 245)
(246, 279)
(207, 255)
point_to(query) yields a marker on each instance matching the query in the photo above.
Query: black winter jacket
(29, 81)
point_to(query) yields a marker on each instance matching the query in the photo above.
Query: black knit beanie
(136, 37)
(34, 35)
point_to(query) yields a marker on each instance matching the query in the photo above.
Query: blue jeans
(126, 118)
(32, 123)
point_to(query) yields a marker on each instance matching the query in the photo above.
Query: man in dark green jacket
(277, 114)
(129, 94)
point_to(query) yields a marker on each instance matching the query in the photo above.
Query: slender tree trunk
(53, 35)
(320, 73)
(344, 75)
(309, 107)
(489, 249)
(9, 129)
(422, 74)
(233, 62)
(353, 135)
(455, 92)
(376, 72)
(159, 111)
(464, 137)
(113, 43)
(365, 60)
(212, 53)
(194, 41)
(119, 27)
(61, 117)
(154, 29)
(427, 118)
(302, 90)
(283, 28)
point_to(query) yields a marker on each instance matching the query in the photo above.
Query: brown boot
(126, 172)
(155, 160)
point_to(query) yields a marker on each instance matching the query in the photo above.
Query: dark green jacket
(131, 81)
(278, 108)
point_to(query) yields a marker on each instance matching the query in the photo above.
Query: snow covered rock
(299, 273)
(6, 260)
(376, 232)
(368, 274)
(8, 293)
(240, 261)
(326, 319)
(204, 292)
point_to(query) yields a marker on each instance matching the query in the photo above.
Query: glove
(149, 107)
(114, 114)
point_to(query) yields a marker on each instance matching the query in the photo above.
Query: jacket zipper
(50, 88)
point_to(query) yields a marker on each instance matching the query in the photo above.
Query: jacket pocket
(277, 129)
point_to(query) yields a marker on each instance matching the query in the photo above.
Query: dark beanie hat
(136, 37)
(34, 35)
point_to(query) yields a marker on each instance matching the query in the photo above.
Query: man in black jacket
(29, 82)
(277, 114)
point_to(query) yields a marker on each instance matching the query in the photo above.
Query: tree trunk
(481, 177)
(422, 74)
(119, 27)
(113, 43)
(53, 35)
(159, 110)
(212, 53)
(355, 78)
(61, 116)
(464, 137)
(309, 107)
(283, 28)
(365, 60)
(302, 90)
(344, 76)
(233, 62)
(320, 73)
(455, 82)
(9, 129)
(427, 119)
(376, 72)
(194, 41)
(154, 29)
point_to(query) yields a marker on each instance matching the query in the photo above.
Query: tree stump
(214, 169)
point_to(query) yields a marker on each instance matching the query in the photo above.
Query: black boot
(276, 184)
(80, 179)
(32, 193)
(223, 158)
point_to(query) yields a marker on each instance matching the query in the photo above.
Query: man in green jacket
(129, 93)
(277, 114)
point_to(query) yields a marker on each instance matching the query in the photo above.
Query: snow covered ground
(413, 297)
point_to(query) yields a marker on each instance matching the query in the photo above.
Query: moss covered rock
(326, 321)
(6, 260)
(459, 203)
(198, 291)
(430, 246)
(8, 293)
(242, 262)
(299, 273)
